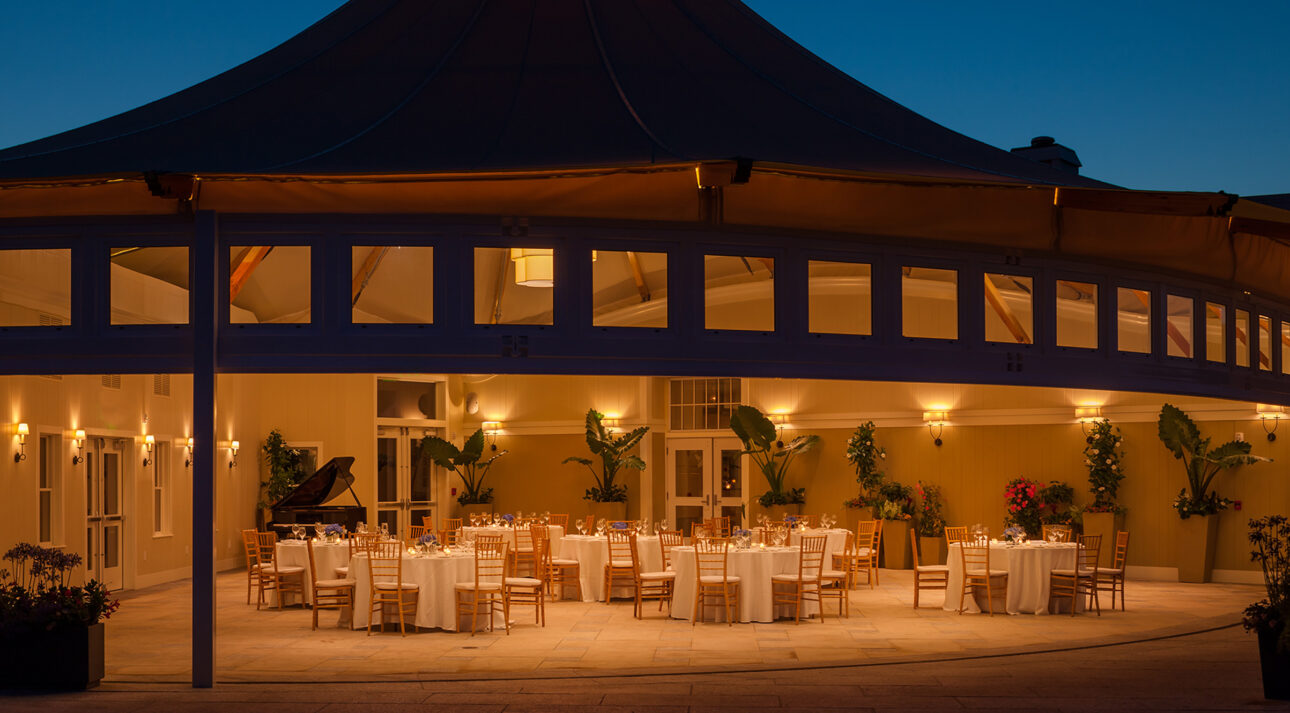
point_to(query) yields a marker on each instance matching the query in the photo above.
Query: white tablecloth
(436, 601)
(554, 532)
(1029, 568)
(754, 567)
(592, 554)
(328, 556)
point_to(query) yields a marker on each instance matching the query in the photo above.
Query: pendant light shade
(534, 267)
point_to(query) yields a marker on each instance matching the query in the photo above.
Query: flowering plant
(741, 533)
(620, 525)
(1057, 504)
(1022, 498)
(891, 510)
(428, 539)
(897, 501)
(791, 520)
(931, 518)
(35, 596)
(1014, 534)
(334, 529)
(865, 457)
(1102, 457)
(855, 503)
(1271, 539)
(509, 519)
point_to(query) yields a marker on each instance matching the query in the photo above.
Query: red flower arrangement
(1022, 497)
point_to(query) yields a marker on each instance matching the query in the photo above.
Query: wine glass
(600, 527)
(361, 528)
(297, 531)
(582, 526)
(318, 529)
(385, 530)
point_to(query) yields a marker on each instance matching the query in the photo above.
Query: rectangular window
(1076, 314)
(739, 293)
(1285, 347)
(1178, 326)
(270, 284)
(702, 404)
(514, 285)
(149, 285)
(1133, 320)
(1009, 309)
(49, 498)
(1265, 343)
(840, 297)
(390, 284)
(1215, 332)
(160, 467)
(929, 299)
(38, 288)
(1242, 338)
(628, 289)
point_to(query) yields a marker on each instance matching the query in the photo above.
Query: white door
(404, 478)
(705, 478)
(104, 518)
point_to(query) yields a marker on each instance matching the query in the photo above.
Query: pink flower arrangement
(1021, 496)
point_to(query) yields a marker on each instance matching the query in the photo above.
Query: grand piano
(307, 504)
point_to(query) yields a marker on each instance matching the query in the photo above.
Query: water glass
(318, 530)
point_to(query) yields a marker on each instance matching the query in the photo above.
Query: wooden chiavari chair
(650, 585)
(559, 521)
(668, 539)
(385, 563)
(1083, 578)
(955, 534)
(589, 524)
(977, 574)
(927, 576)
(619, 566)
(251, 547)
(522, 557)
(1063, 533)
(449, 523)
(805, 585)
(1113, 577)
(271, 576)
(486, 587)
(358, 544)
(529, 590)
(562, 573)
(713, 580)
(414, 534)
(717, 526)
(860, 554)
(328, 593)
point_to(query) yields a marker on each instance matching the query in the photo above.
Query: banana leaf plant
(614, 454)
(771, 456)
(1181, 436)
(466, 463)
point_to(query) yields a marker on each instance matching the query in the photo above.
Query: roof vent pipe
(1046, 150)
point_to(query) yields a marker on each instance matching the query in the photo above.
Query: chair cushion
(564, 563)
(794, 577)
(833, 574)
(626, 564)
(390, 586)
(342, 572)
(483, 586)
(327, 583)
(1110, 570)
(933, 568)
(523, 582)
(658, 575)
(863, 552)
(1085, 572)
(993, 572)
(716, 579)
(289, 569)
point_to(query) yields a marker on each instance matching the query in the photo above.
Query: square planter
(895, 544)
(931, 550)
(1274, 666)
(608, 511)
(67, 658)
(1196, 548)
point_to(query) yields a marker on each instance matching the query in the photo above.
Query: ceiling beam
(243, 265)
(1002, 309)
(499, 289)
(638, 275)
(370, 263)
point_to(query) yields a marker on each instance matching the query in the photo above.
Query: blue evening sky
(1152, 94)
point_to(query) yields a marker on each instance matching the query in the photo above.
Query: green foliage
(895, 501)
(1057, 504)
(866, 457)
(286, 469)
(614, 455)
(35, 595)
(1270, 537)
(1182, 437)
(465, 462)
(772, 458)
(1022, 498)
(1103, 456)
(931, 517)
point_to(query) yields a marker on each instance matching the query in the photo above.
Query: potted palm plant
(286, 470)
(1197, 505)
(1103, 456)
(609, 499)
(1270, 537)
(772, 457)
(866, 457)
(466, 463)
(51, 635)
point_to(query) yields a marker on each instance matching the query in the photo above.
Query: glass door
(404, 478)
(705, 478)
(104, 519)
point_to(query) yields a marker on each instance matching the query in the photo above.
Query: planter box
(1105, 524)
(931, 550)
(67, 658)
(608, 511)
(1275, 667)
(1196, 548)
(895, 545)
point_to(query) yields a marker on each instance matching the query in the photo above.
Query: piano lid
(326, 484)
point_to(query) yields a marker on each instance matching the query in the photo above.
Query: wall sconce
(935, 421)
(79, 439)
(232, 449)
(780, 419)
(1086, 415)
(22, 430)
(188, 457)
(490, 429)
(1273, 413)
(148, 442)
(534, 267)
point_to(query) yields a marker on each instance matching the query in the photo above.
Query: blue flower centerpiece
(792, 521)
(1015, 534)
(509, 519)
(620, 525)
(334, 532)
(428, 539)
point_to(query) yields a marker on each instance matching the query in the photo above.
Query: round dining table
(327, 555)
(754, 567)
(1029, 566)
(436, 575)
(835, 542)
(592, 553)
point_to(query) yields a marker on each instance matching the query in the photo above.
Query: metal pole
(204, 266)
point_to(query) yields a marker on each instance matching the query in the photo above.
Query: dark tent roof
(1276, 200)
(427, 86)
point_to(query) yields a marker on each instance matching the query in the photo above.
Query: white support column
(647, 451)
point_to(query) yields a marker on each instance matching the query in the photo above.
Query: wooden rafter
(365, 272)
(1241, 336)
(243, 265)
(638, 275)
(499, 288)
(1002, 309)
(1175, 334)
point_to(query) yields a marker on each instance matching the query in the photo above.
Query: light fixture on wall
(780, 419)
(1087, 415)
(611, 422)
(232, 449)
(78, 437)
(936, 421)
(1273, 413)
(534, 267)
(22, 430)
(490, 429)
(148, 442)
(188, 458)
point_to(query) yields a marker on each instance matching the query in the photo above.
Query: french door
(404, 478)
(705, 478)
(104, 516)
